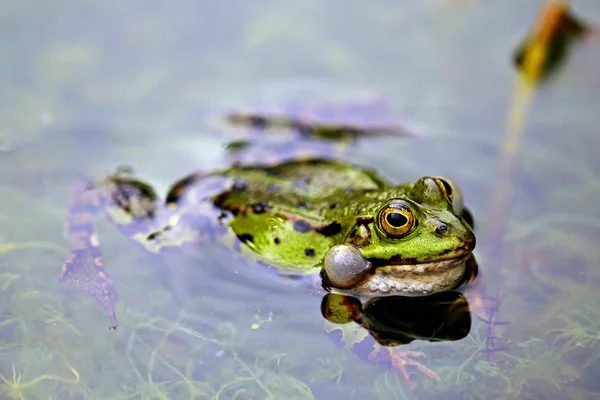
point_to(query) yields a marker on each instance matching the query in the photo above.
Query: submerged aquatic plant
(15, 388)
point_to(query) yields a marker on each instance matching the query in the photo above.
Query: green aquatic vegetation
(35, 353)
(542, 369)
(328, 369)
(273, 384)
(260, 320)
(165, 329)
(16, 388)
(522, 231)
(495, 376)
(581, 329)
(193, 389)
(51, 315)
(21, 326)
(12, 246)
(470, 349)
(156, 375)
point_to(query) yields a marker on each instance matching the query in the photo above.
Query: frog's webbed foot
(129, 204)
(85, 269)
(404, 362)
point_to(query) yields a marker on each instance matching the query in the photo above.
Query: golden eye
(396, 220)
(445, 187)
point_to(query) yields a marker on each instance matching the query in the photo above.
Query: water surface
(88, 87)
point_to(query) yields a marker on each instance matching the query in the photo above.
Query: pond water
(87, 87)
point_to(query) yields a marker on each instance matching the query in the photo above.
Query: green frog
(344, 224)
(363, 235)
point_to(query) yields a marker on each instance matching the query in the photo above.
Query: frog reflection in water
(362, 235)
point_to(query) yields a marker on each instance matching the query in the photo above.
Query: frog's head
(415, 243)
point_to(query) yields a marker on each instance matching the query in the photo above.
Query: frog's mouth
(409, 279)
(347, 270)
(415, 279)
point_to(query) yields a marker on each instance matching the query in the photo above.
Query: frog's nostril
(441, 229)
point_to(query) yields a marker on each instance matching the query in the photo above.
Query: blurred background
(88, 86)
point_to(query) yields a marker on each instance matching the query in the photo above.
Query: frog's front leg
(132, 206)
(129, 204)
(403, 360)
(345, 313)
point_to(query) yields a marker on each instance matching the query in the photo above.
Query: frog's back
(286, 213)
(310, 179)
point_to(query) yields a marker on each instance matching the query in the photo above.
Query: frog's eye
(396, 220)
(445, 187)
(452, 192)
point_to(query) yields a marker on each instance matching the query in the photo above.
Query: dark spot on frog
(245, 238)
(309, 252)
(315, 161)
(239, 185)
(277, 240)
(258, 122)
(222, 216)
(303, 204)
(236, 146)
(334, 205)
(219, 200)
(273, 172)
(364, 220)
(272, 188)
(156, 234)
(301, 226)
(178, 189)
(260, 208)
(329, 230)
(303, 129)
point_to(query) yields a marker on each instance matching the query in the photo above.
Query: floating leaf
(546, 46)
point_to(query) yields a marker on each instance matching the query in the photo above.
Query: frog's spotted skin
(291, 214)
(282, 212)
(287, 215)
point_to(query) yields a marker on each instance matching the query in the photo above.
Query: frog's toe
(403, 361)
(86, 270)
